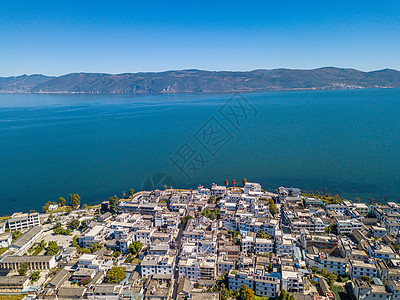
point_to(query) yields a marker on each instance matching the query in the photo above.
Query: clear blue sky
(58, 37)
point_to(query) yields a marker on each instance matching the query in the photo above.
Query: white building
(20, 221)
(157, 264)
(93, 236)
(370, 291)
(292, 281)
(26, 240)
(359, 268)
(347, 226)
(256, 279)
(284, 245)
(329, 263)
(252, 188)
(381, 251)
(144, 235)
(263, 246)
(5, 240)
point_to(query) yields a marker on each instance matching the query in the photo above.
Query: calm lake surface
(344, 142)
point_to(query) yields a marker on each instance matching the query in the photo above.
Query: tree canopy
(74, 224)
(113, 204)
(246, 293)
(23, 269)
(74, 200)
(115, 275)
(135, 247)
(52, 248)
(62, 201)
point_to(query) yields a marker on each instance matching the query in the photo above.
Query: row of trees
(234, 182)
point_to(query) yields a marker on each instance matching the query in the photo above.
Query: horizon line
(203, 70)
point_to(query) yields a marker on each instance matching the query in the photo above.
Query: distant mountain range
(194, 81)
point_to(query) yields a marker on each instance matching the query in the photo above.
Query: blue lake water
(344, 142)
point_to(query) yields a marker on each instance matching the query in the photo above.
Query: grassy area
(4, 218)
(2, 250)
(327, 198)
(38, 250)
(11, 297)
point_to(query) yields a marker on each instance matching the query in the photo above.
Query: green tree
(272, 207)
(131, 192)
(74, 200)
(283, 295)
(212, 199)
(135, 247)
(314, 269)
(246, 293)
(365, 278)
(116, 253)
(261, 234)
(62, 201)
(74, 224)
(35, 275)
(113, 204)
(115, 275)
(52, 248)
(185, 219)
(45, 208)
(23, 269)
(16, 234)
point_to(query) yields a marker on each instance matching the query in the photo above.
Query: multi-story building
(370, 291)
(257, 279)
(34, 262)
(263, 246)
(381, 251)
(157, 264)
(26, 240)
(360, 268)
(292, 281)
(347, 226)
(329, 263)
(144, 235)
(283, 244)
(252, 188)
(291, 194)
(224, 264)
(21, 221)
(93, 236)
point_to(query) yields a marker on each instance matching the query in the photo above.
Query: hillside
(204, 81)
(21, 84)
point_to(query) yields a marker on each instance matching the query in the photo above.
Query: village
(216, 242)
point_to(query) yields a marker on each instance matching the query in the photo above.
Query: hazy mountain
(205, 81)
(21, 84)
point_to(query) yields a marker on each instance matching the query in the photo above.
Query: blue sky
(58, 37)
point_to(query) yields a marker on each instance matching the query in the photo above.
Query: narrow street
(176, 270)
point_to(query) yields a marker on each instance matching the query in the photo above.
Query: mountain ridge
(193, 80)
